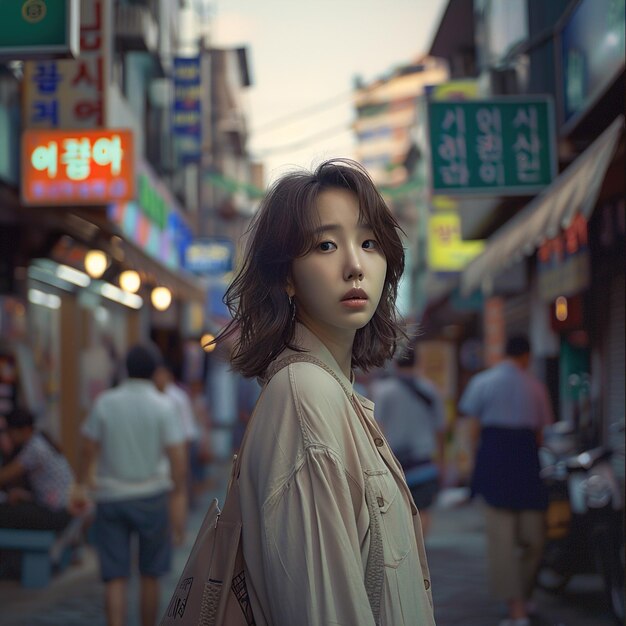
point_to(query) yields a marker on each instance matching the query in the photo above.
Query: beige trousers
(515, 541)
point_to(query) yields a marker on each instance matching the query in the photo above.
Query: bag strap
(374, 574)
(412, 386)
(231, 510)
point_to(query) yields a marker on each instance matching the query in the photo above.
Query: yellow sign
(447, 252)
(464, 89)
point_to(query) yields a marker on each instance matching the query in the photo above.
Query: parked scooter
(585, 516)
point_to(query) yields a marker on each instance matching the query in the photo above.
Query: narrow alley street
(456, 548)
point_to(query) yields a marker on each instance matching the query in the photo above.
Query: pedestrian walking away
(331, 534)
(512, 407)
(409, 409)
(128, 439)
(182, 407)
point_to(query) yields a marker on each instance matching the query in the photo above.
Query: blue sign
(187, 113)
(181, 234)
(210, 256)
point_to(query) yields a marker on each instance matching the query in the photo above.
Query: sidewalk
(76, 596)
(456, 552)
(456, 555)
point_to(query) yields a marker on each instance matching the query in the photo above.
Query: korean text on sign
(80, 84)
(503, 145)
(489, 145)
(75, 167)
(452, 148)
(527, 144)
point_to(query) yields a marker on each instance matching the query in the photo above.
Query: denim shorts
(116, 522)
(424, 494)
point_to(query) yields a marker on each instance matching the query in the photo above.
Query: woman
(330, 533)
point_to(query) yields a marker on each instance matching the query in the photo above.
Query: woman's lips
(354, 299)
(354, 294)
(354, 303)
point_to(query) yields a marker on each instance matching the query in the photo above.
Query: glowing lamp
(96, 263)
(560, 309)
(161, 298)
(130, 281)
(207, 342)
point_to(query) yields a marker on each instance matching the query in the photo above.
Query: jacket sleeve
(311, 550)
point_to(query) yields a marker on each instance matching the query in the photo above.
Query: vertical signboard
(564, 263)
(72, 93)
(153, 220)
(494, 330)
(187, 113)
(496, 146)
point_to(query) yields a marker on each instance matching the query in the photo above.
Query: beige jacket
(311, 536)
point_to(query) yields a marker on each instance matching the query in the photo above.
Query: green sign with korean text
(33, 28)
(502, 146)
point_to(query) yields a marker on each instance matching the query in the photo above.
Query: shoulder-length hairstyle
(283, 230)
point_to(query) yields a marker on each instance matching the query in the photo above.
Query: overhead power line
(306, 112)
(303, 143)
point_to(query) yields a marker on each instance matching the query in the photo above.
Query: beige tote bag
(212, 591)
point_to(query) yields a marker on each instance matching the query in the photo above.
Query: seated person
(49, 476)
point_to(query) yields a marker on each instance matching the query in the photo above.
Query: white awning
(574, 191)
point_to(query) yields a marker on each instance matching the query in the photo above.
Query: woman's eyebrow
(335, 227)
(325, 228)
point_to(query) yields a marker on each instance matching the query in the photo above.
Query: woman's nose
(354, 269)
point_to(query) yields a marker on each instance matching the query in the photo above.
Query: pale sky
(304, 53)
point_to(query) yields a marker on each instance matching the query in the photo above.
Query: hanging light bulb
(96, 263)
(207, 342)
(561, 309)
(161, 298)
(130, 281)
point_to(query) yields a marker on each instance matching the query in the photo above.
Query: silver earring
(292, 306)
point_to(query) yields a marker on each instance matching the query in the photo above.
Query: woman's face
(337, 286)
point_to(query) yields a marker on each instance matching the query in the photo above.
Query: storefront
(65, 325)
(573, 283)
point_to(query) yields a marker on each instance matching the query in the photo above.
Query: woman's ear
(289, 288)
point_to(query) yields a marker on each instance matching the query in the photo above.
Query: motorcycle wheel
(552, 580)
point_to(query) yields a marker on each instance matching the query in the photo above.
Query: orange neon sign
(88, 167)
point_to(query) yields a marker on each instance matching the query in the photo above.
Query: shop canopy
(574, 191)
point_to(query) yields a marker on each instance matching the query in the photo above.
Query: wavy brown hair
(283, 230)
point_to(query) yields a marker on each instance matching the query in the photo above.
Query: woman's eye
(370, 244)
(326, 246)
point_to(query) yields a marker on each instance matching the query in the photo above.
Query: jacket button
(413, 509)
(381, 501)
(426, 584)
(379, 442)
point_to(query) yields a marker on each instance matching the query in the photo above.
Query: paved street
(456, 552)
(456, 549)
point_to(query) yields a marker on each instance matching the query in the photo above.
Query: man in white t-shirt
(165, 381)
(134, 442)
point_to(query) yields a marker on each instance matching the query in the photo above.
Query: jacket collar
(311, 344)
